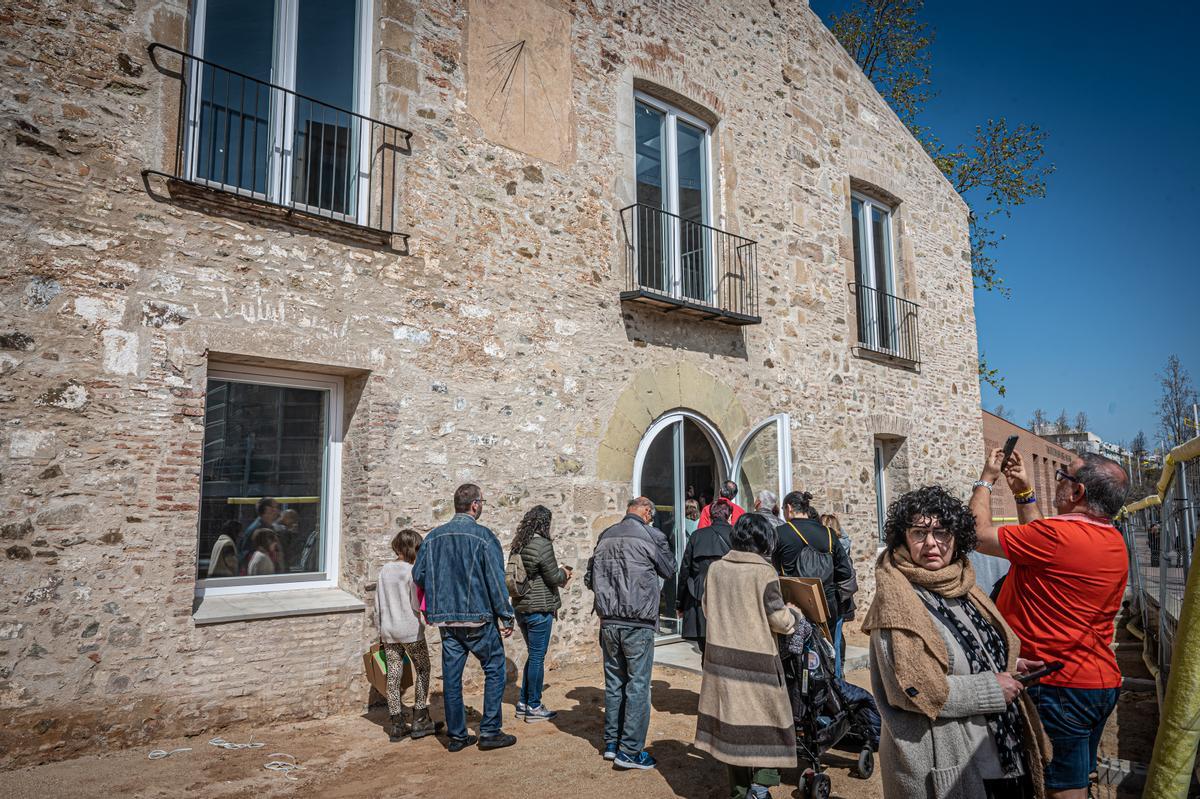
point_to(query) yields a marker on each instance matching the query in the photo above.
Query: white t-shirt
(260, 563)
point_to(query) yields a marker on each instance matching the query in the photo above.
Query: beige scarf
(918, 649)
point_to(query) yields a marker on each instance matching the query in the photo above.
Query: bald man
(1063, 590)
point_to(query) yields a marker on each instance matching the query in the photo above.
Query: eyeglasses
(941, 535)
(1059, 474)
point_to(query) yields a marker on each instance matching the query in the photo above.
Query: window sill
(273, 605)
(868, 354)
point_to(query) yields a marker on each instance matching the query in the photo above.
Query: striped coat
(745, 716)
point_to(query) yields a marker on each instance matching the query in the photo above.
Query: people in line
(767, 504)
(402, 634)
(691, 516)
(745, 716)
(728, 492)
(623, 573)
(807, 549)
(290, 537)
(223, 560)
(943, 664)
(1064, 588)
(460, 567)
(706, 546)
(537, 608)
(266, 558)
(266, 513)
(847, 589)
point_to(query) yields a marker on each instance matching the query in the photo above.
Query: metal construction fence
(1161, 533)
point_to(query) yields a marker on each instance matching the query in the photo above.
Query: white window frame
(880, 490)
(868, 273)
(282, 124)
(331, 483)
(671, 188)
(783, 453)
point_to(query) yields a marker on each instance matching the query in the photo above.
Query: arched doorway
(680, 450)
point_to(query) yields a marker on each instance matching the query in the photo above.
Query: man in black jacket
(824, 560)
(624, 572)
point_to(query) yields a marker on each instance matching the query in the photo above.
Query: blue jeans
(485, 644)
(535, 627)
(628, 660)
(1074, 720)
(837, 648)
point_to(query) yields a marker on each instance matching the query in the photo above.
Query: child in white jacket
(402, 632)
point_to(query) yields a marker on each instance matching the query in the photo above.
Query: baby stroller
(829, 713)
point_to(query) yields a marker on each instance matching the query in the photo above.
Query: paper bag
(376, 667)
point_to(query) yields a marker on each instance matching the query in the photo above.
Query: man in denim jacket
(460, 567)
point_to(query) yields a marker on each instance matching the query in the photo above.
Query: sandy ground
(350, 756)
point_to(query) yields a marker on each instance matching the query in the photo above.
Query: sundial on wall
(519, 76)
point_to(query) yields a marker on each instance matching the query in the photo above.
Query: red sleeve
(1032, 544)
(705, 518)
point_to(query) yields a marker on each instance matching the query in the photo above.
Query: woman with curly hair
(537, 607)
(956, 721)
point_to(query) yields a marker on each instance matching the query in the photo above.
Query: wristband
(1029, 500)
(1026, 494)
(982, 484)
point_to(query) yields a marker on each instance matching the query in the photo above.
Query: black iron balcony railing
(887, 324)
(680, 265)
(268, 144)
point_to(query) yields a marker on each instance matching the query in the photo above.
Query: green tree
(1001, 169)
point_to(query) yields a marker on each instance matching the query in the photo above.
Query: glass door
(764, 460)
(678, 451)
(877, 311)
(291, 145)
(673, 236)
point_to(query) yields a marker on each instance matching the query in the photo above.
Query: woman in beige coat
(745, 717)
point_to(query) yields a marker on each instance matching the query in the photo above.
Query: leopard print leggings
(418, 655)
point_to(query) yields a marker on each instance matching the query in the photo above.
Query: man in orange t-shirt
(1062, 593)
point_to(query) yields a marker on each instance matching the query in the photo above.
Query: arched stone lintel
(654, 392)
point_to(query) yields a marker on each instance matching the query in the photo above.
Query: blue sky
(1105, 271)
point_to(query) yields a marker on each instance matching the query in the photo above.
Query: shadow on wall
(656, 328)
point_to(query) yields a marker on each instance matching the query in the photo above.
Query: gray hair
(1105, 485)
(768, 499)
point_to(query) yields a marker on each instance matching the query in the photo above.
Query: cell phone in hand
(1037, 674)
(1009, 446)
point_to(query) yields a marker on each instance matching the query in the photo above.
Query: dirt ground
(350, 756)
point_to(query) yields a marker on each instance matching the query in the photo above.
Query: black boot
(422, 725)
(399, 728)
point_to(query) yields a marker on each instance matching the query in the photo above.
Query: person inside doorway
(728, 492)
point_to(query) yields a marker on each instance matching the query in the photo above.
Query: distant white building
(1085, 441)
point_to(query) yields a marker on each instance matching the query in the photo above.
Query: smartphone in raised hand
(1009, 446)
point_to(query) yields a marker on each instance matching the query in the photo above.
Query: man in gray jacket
(624, 572)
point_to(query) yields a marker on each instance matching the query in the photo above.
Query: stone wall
(496, 350)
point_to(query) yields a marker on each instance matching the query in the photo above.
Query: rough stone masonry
(495, 348)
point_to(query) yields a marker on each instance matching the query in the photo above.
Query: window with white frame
(874, 274)
(269, 497)
(674, 197)
(274, 100)
(881, 498)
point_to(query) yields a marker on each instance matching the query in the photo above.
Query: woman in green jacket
(537, 607)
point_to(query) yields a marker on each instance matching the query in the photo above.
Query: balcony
(686, 267)
(887, 325)
(248, 142)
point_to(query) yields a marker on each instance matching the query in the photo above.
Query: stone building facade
(499, 342)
